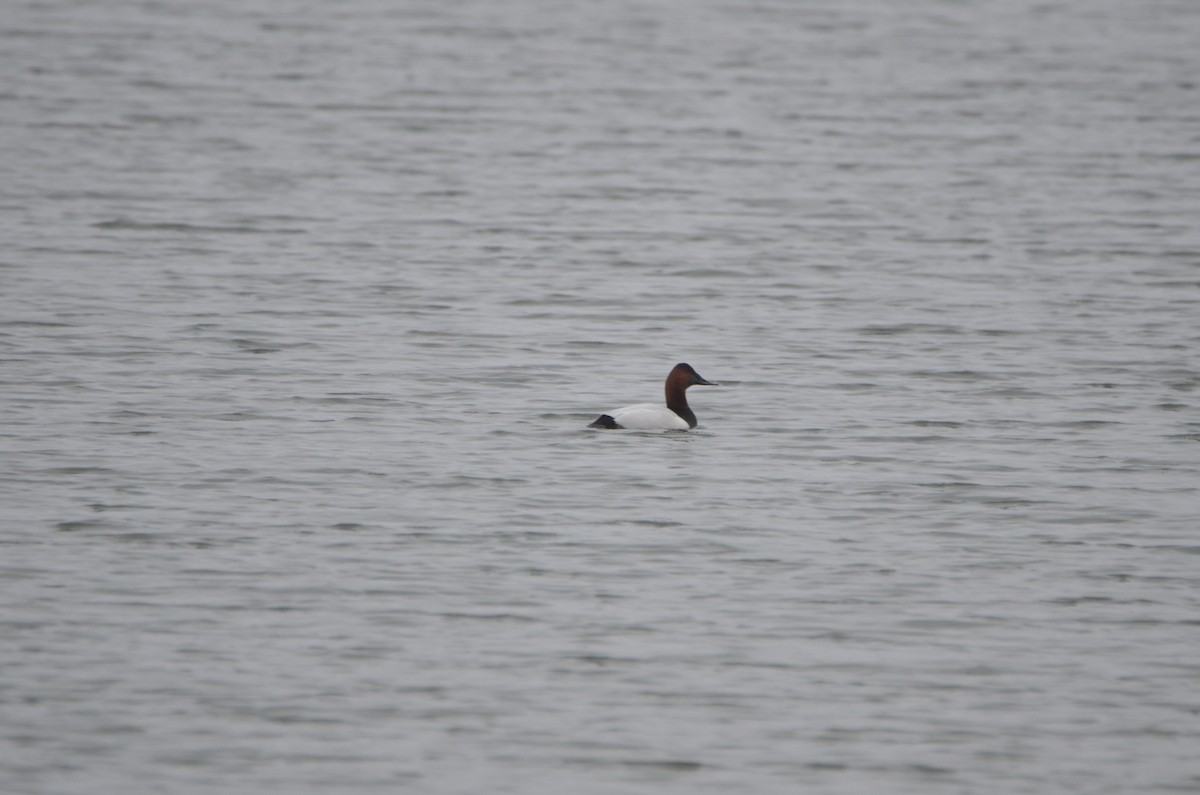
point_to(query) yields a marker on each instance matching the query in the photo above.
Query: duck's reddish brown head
(684, 375)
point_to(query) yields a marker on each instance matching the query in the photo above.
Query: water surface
(303, 312)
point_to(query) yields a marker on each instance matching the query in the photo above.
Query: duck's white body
(648, 417)
(675, 416)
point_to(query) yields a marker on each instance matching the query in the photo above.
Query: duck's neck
(677, 402)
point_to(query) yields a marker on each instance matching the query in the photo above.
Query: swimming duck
(675, 416)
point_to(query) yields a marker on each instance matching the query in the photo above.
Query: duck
(675, 416)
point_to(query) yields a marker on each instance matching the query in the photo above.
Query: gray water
(304, 308)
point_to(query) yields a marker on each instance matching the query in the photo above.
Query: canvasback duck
(675, 416)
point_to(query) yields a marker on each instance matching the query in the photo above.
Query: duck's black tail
(605, 421)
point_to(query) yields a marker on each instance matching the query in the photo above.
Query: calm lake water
(304, 308)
